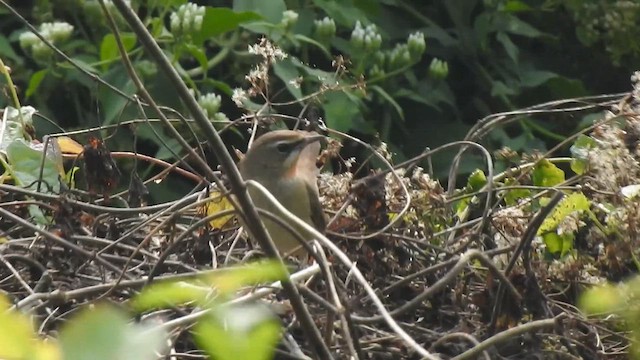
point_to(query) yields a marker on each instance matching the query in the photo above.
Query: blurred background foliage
(432, 69)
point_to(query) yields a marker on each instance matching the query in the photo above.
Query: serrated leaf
(547, 174)
(476, 180)
(569, 204)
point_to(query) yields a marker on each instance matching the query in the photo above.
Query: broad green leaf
(247, 332)
(574, 202)
(109, 48)
(25, 162)
(34, 81)
(558, 244)
(513, 197)
(104, 333)
(112, 104)
(340, 110)
(546, 173)
(270, 10)
(288, 73)
(219, 20)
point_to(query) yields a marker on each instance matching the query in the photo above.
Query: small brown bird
(284, 162)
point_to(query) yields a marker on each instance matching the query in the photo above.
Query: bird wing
(316, 213)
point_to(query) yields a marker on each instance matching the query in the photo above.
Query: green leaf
(104, 333)
(558, 244)
(546, 173)
(604, 299)
(389, 99)
(513, 197)
(199, 55)
(25, 164)
(230, 280)
(514, 6)
(109, 48)
(270, 10)
(288, 73)
(170, 294)
(7, 50)
(518, 27)
(533, 78)
(199, 290)
(570, 204)
(16, 333)
(112, 103)
(34, 81)
(476, 181)
(340, 111)
(508, 45)
(313, 42)
(247, 332)
(219, 20)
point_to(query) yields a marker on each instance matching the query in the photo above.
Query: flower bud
(438, 69)
(416, 45)
(357, 36)
(289, 19)
(325, 28)
(210, 103)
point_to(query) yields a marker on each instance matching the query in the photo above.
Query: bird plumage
(284, 162)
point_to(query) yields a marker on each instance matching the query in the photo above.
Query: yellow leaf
(217, 204)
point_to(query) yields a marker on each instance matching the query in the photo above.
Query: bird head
(282, 154)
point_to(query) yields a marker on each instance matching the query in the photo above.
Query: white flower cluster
(367, 38)
(210, 104)
(187, 19)
(259, 75)
(54, 32)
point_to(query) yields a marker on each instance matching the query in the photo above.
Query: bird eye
(284, 147)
